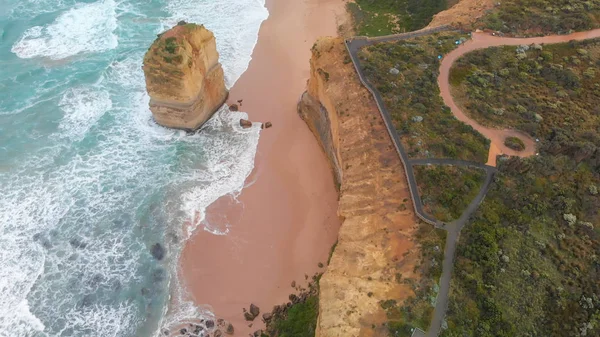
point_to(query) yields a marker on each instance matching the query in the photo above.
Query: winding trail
(482, 41)
(496, 136)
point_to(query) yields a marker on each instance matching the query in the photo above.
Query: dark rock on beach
(234, 107)
(245, 123)
(210, 324)
(254, 310)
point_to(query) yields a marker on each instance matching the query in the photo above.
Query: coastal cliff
(184, 78)
(377, 245)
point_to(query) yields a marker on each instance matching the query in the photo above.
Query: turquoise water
(88, 183)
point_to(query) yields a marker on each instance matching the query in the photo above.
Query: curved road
(496, 136)
(482, 41)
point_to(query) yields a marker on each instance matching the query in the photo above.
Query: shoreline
(284, 222)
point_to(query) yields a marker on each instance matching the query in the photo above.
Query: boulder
(267, 316)
(266, 125)
(210, 324)
(229, 329)
(245, 123)
(217, 333)
(254, 310)
(234, 107)
(248, 316)
(184, 78)
(157, 251)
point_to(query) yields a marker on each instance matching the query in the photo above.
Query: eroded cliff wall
(376, 240)
(184, 78)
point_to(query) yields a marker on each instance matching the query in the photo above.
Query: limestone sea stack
(184, 77)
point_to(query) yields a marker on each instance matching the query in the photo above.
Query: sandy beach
(285, 221)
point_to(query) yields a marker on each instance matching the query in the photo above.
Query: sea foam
(83, 29)
(77, 217)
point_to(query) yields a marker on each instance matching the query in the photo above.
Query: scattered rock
(293, 284)
(257, 333)
(229, 329)
(417, 119)
(248, 316)
(183, 331)
(394, 71)
(266, 125)
(234, 107)
(254, 310)
(293, 298)
(245, 123)
(157, 251)
(210, 324)
(217, 333)
(240, 101)
(320, 265)
(267, 316)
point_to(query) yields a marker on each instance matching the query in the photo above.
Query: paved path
(479, 41)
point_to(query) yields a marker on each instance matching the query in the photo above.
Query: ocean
(88, 182)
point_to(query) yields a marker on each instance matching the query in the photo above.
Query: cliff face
(376, 240)
(184, 77)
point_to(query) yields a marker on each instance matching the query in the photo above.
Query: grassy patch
(446, 190)
(514, 143)
(426, 126)
(384, 17)
(537, 89)
(534, 17)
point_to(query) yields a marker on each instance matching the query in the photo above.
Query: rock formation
(184, 77)
(377, 237)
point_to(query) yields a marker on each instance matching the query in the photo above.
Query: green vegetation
(405, 73)
(447, 190)
(543, 16)
(529, 263)
(417, 310)
(533, 88)
(301, 320)
(514, 143)
(384, 17)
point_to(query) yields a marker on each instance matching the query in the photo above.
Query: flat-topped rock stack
(184, 78)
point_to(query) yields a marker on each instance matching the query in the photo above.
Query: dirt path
(482, 41)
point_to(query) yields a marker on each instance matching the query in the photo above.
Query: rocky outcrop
(376, 242)
(184, 78)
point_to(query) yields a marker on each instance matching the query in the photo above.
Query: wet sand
(285, 221)
(497, 136)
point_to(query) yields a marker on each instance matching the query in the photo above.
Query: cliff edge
(184, 78)
(377, 240)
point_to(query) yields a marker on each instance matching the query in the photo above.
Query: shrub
(514, 143)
